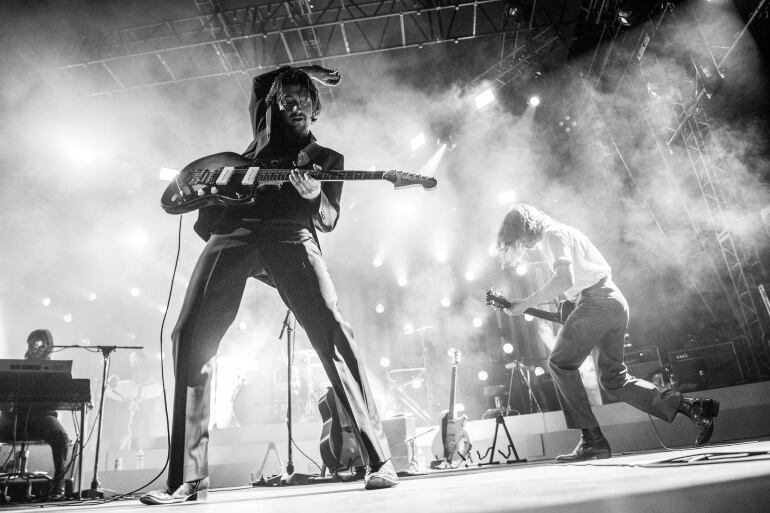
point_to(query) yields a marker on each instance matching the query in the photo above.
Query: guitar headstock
(401, 179)
(455, 355)
(497, 300)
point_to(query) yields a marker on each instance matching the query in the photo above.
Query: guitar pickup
(251, 176)
(225, 175)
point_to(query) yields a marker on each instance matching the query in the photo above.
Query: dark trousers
(37, 426)
(597, 326)
(293, 263)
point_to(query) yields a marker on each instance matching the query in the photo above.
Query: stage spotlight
(46, 301)
(162, 309)
(242, 325)
(507, 348)
(430, 167)
(377, 262)
(470, 276)
(506, 198)
(385, 362)
(534, 101)
(408, 329)
(483, 375)
(67, 318)
(379, 308)
(92, 296)
(167, 174)
(135, 291)
(441, 256)
(402, 281)
(484, 98)
(521, 269)
(417, 141)
(137, 239)
(477, 322)
(528, 318)
(539, 371)
(630, 12)
(711, 77)
(445, 302)
(417, 383)
(80, 154)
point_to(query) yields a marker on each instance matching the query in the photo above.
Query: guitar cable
(130, 494)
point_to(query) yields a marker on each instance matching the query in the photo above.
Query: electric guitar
(497, 300)
(230, 179)
(453, 443)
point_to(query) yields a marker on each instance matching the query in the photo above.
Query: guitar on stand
(452, 445)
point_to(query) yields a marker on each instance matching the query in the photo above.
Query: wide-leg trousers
(597, 327)
(294, 265)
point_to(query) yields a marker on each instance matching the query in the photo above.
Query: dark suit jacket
(279, 206)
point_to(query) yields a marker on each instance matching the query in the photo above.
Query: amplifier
(706, 367)
(400, 434)
(644, 363)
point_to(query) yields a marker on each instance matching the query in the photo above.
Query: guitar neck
(544, 314)
(332, 175)
(452, 388)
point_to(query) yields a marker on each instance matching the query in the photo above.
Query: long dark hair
(308, 90)
(522, 227)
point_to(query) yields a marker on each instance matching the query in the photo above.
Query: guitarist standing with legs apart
(597, 324)
(274, 240)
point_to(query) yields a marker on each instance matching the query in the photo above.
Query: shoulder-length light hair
(522, 228)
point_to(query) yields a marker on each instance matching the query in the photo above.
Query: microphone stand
(95, 492)
(288, 328)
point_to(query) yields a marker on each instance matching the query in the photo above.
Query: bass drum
(254, 404)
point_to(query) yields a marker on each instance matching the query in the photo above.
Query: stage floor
(723, 478)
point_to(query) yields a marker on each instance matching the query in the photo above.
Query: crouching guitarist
(599, 321)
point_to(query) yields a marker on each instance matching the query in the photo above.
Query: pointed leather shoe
(192, 491)
(587, 450)
(702, 412)
(385, 477)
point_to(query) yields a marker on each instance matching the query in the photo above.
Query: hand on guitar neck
(452, 444)
(565, 308)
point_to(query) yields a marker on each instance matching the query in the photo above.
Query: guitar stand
(500, 421)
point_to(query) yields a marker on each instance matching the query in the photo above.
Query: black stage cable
(162, 370)
(305, 455)
(657, 435)
(163, 385)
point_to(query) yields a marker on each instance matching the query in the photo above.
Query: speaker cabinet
(706, 367)
(398, 431)
(645, 363)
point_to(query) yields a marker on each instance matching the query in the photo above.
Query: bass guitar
(230, 179)
(497, 300)
(452, 445)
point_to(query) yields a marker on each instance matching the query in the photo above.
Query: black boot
(702, 412)
(592, 446)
